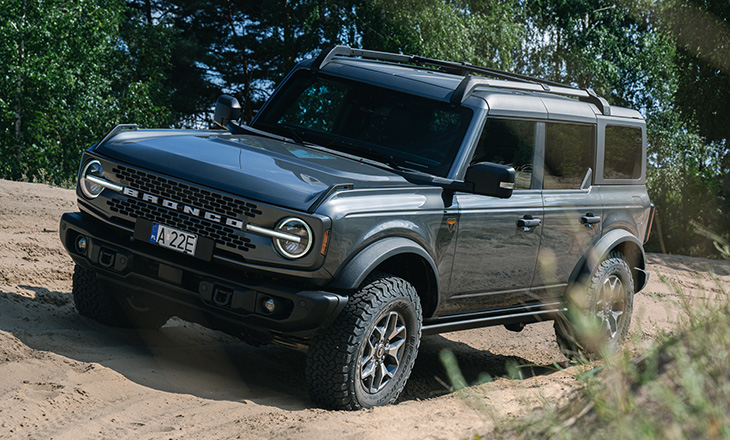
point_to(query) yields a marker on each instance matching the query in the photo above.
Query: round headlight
(91, 189)
(298, 228)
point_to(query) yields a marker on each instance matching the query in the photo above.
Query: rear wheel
(366, 356)
(598, 317)
(93, 301)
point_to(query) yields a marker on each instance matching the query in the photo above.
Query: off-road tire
(590, 302)
(335, 357)
(93, 301)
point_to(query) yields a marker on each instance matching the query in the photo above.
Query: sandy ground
(64, 377)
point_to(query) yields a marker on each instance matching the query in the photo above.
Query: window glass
(508, 142)
(568, 154)
(369, 121)
(622, 153)
(317, 107)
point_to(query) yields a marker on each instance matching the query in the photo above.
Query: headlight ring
(90, 189)
(297, 227)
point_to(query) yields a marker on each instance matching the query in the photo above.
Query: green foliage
(73, 69)
(701, 32)
(51, 81)
(679, 390)
(482, 32)
(686, 185)
(665, 59)
(62, 85)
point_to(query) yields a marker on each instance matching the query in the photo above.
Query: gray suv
(375, 197)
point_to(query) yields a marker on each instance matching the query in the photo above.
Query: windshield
(369, 121)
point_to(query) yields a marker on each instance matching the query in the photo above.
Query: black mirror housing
(491, 179)
(227, 109)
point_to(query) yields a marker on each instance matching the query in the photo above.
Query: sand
(65, 377)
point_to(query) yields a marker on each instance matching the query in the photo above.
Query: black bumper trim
(174, 282)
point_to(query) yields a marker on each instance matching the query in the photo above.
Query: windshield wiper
(298, 139)
(370, 154)
(246, 129)
(378, 157)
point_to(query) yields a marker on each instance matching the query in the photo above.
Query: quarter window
(509, 142)
(622, 153)
(568, 154)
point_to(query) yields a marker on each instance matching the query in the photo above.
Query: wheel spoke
(610, 304)
(391, 326)
(385, 373)
(398, 332)
(368, 370)
(615, 288)
(378, 378)
(368, 354)
(378, 334)
(392, 350)
(610, 325)
(382, 352)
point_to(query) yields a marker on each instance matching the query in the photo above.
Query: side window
(622, 153)
(508, 142)
(568, 154)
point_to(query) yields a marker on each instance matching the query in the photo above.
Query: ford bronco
(374, 198)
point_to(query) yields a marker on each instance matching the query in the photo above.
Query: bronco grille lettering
(190, 210)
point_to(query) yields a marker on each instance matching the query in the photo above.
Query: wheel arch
(397, 256)
(622, 241)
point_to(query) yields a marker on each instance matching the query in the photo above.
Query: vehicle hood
(268, 170)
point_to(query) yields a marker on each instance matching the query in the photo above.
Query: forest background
(71, 70)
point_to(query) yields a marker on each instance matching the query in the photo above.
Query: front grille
(188, 195)
(183, 193)
(224, 235)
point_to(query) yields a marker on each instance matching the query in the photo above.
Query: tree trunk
(247, 102)
(19, 112)
(148, 11)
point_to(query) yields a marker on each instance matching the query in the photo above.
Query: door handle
(528, 222)
(590, 219)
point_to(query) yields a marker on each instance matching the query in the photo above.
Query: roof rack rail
(469, 83)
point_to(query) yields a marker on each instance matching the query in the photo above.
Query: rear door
(573, 207)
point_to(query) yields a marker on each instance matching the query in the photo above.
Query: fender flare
(610, 241)
(353, 273)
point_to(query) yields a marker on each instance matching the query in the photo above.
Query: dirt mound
(66, 377)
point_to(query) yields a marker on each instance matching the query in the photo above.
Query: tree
(482, 32)
(52, 79)
(68, 77)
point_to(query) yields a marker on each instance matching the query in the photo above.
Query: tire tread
(332, 354)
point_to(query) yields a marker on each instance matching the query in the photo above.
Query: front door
(498, 239)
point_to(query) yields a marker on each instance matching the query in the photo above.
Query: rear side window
(622, 153)
(509, 142)
(568, 154)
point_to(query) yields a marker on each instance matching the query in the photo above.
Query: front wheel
(94, 301)
(366, 356)
(599, 316)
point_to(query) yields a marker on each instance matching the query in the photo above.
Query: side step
(456, 323)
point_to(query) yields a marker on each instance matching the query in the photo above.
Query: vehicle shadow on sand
(189, 359)
(430, 379)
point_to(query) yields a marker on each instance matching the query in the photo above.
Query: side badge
(451, 222)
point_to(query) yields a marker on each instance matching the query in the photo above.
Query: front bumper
(207, 293)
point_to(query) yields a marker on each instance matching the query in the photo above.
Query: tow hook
(222, 296)
(106, 258)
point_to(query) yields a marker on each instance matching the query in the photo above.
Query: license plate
(174, 239)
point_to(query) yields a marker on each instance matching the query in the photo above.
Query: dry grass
(680, 389)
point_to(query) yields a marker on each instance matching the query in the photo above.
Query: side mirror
(227, 109)
(491, 179)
